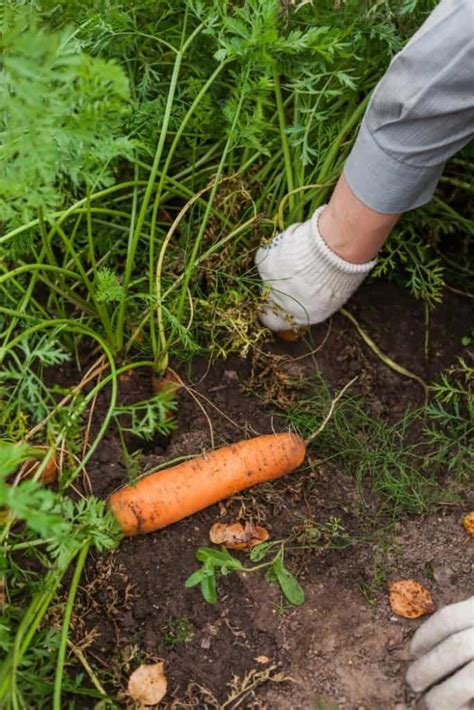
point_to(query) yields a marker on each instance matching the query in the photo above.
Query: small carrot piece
(292, 335)
(166, 384)
(164, 497)
(49, 474)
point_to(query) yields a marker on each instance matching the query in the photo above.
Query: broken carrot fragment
(291, 335)
(49, 474)
(410, 599)
(238, 536)
(168, 383)
(468, 523)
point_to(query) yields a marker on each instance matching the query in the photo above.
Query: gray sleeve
(420, 114)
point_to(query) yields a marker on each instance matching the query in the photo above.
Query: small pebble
(444, 575)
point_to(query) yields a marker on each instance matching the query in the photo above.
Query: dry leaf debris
(148, 683)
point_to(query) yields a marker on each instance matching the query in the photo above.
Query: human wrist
(334, 234)
(308, 281)
(335, 266)
(351, 229)
(342, 238)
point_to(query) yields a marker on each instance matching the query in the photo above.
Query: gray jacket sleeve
(420, 114)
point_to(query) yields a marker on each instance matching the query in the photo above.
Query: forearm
(420, 114)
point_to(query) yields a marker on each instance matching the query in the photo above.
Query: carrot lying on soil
(169, 495)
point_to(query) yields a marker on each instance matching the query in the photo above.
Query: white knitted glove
(444, 649)
(308, 281)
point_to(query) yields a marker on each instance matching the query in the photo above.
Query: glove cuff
(332, 259)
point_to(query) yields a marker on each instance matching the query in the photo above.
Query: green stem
(29, 543)
(197, 242)
(27, 296)
(133, 242)
(90, 234)
(455, 182)
(327, 168)
(27, 628)
(62, 215)
(44, 237)
(73, 326)
(68, 295)
(26, 268)
(153, 279)
(212, 249)
(468, 223)
(99, 307)
(283, 136)
(65, 627)
(22, 289)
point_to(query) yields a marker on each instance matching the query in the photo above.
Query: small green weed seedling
(401, 462)
(177, 630)
(221, 562)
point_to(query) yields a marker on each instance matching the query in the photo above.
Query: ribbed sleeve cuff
(385, 184)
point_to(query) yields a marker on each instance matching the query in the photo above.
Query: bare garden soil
(343, 648)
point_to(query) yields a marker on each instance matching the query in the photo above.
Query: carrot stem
(65, 628)
(384, 358)
(328, 416)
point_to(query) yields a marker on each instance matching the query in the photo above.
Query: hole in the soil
(158, 444)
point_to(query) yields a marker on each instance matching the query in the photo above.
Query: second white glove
(444, 650)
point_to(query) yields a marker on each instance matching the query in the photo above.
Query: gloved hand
(308, 281)
(444, 649)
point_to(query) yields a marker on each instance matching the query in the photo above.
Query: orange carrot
(49, 474)
(174, 493)
(292, 335)
(168, 383)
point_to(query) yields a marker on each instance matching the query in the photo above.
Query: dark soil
(343, 648)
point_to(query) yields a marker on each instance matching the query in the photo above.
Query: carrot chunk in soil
(468, 523)
(238, 536)
(410, 599)
(174, 493)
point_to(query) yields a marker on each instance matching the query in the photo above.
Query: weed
(377, 582)
(402, 463)
(148, 417)
(177, 630)
(240, 688)
(313, 535)
(221, 562)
